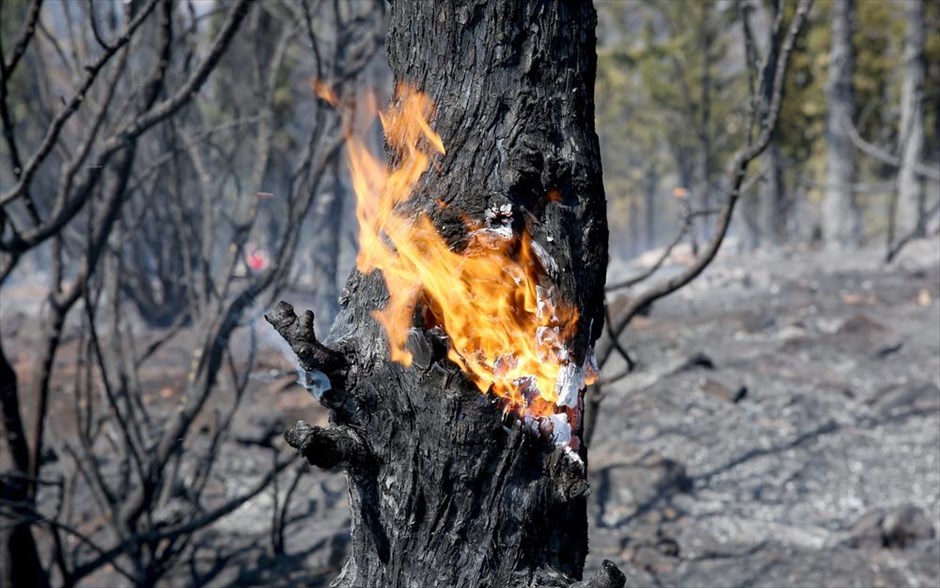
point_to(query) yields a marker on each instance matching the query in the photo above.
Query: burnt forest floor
(782, 429)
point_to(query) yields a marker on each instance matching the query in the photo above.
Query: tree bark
(910, 188)
(441, 492)
(841, 220)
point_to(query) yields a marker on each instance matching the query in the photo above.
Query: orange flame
(505, 330)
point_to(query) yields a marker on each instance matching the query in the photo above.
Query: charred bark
(442, 493)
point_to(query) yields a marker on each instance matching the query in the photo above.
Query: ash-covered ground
(782, 428)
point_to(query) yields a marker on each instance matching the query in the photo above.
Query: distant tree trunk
(776, 206)
(441, 493)
(704, 190)
(649, 206)
(686, 175)
(910, 209)
(636, 229)
(773, 193)
(841, 219)
(325, 245)
(750, 216)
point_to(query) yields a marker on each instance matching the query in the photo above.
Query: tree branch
(123, 137)
(884, 156)
(299, 334)
(687, 217)
(52, 134)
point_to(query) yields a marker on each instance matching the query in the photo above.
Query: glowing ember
(507, 331)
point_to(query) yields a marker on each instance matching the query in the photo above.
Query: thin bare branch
(686, 221)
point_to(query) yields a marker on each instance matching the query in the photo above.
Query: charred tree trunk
(441, 492)
(841, 221)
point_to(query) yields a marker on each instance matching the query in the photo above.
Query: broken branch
(329, 448)
(299, 334)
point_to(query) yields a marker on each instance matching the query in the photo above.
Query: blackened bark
(441, 493)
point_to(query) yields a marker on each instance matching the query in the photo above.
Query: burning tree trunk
(464, 341)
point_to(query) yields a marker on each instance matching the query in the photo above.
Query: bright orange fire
(506, 332)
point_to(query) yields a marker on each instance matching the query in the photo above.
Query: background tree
(170, 205)
(841, 217)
